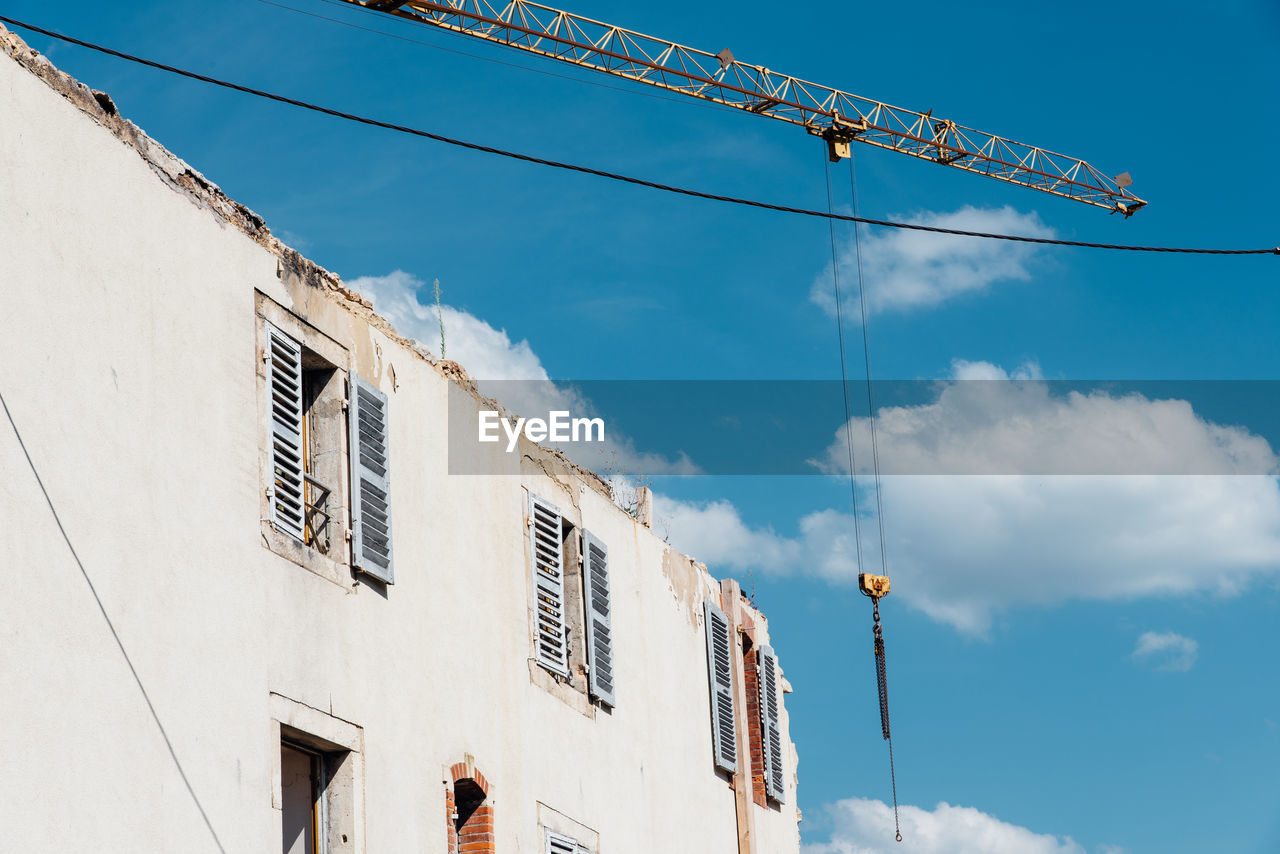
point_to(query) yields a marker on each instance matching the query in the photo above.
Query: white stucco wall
(128, 360)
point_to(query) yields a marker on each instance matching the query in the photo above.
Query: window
(558, 843)
(547, 530)
(770, 725)
(720, 648)
(327, 454)
(563, 835)
(760, 669)
(318, 780)
(571, 603)
(598, 604)
(759, 681)
(306, 402)
(369, 433)
(302, 796)
(469, 811)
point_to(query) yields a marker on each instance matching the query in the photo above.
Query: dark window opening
(474, 818)
(302, 790)
(321, 424)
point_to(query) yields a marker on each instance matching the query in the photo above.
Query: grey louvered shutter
(368, 433)
(559, 844)
(720, 673)
(546, 555)
(599, 607)
(283, 359)
(770, 727)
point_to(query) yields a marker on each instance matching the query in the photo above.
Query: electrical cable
(614, 176)
(115, 635)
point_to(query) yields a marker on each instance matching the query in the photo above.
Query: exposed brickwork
(467, 771)
(476, 834)
(758, 791)
(471, 832)
(451, 831)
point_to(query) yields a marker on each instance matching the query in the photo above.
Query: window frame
(569, 845)
(340, 744)
(336, 565)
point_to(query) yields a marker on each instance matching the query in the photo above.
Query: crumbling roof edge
(185, 179)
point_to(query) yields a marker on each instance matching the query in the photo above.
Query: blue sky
(1057, 667)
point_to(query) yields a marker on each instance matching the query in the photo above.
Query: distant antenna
(440, 314)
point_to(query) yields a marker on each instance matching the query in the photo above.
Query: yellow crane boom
(838, 117)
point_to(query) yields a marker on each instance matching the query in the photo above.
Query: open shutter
(558, 844)
(546, 555)
(368, 435)
(770, 728)
(599, 607)
(720, 672)
(283, 359)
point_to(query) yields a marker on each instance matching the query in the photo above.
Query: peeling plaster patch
(685, 579)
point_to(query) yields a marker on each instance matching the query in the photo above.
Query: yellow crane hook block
(875, 586)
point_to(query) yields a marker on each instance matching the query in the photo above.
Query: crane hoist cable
(874, 586)
(844, 371)
(866, 353)
(877, 587)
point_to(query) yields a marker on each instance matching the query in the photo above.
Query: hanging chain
(882, 683)
(881, 679)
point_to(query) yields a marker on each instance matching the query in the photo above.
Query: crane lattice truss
(837, 116)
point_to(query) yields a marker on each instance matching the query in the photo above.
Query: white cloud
(963, 549)
(486, 353)
(865, 826)
(507, 370)
(915, 269)
(1168, 651)
(993, 422)
(715, 533)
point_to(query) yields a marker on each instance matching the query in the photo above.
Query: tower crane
(838, 117)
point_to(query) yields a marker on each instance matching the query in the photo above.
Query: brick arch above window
(469, 814)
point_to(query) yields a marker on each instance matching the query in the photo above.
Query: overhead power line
(614, 176)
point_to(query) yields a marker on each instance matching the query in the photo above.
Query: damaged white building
(248, 609)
